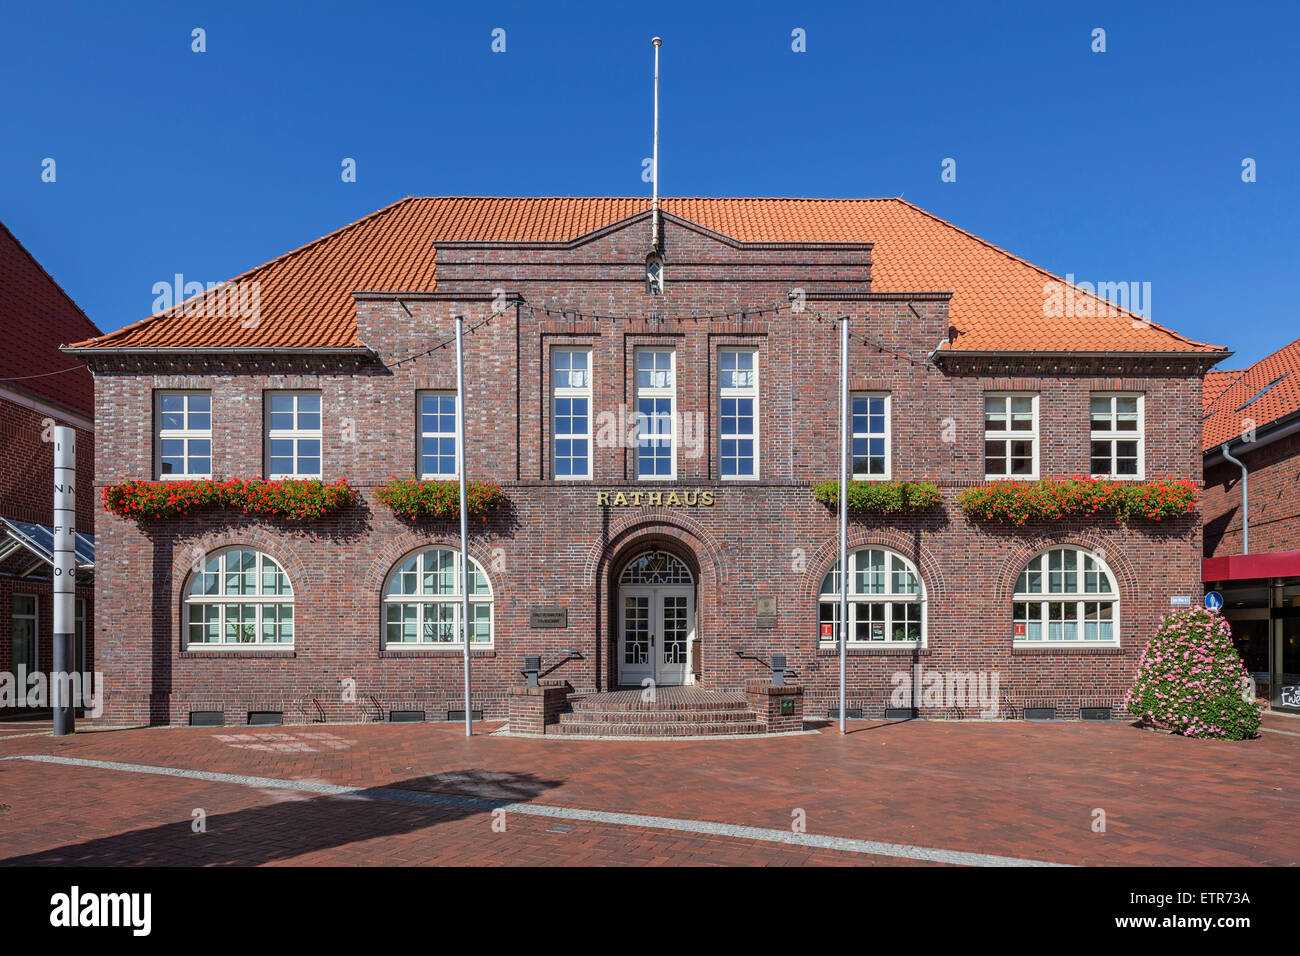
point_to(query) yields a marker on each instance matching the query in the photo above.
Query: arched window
(422, 600)
(241, 596)
(1065, 595)
(886, 600)
(656, 567)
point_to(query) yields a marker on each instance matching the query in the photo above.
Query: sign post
(844, 516)
(65, 578)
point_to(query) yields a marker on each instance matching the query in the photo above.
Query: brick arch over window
(258, 539)
(1112, 556)
(398, 547)
(627, 537)
(823, 558)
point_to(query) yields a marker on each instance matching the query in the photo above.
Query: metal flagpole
(65, 571)
(464, 513)
(844, 513)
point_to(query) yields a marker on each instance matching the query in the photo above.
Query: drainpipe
(1245, 498)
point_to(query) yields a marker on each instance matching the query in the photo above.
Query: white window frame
(294, 434)
(656, 392)
(887, 435)
(859, 601)
(1008, 435)
(422, 435)
(259, 599)
(184, 434)
(1039, 601)
(35, 618)
(423, 599)
(1113, 435)
(739, 392)
(571, 391)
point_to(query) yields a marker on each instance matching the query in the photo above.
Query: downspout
(1245, 498)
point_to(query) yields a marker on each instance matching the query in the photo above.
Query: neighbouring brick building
(660, 552)
(39, 388)
(1252, 514)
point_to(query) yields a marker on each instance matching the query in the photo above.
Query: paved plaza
(916, 792)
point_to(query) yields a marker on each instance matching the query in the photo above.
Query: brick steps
(674, 712)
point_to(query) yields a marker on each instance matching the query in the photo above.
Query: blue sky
(1115, 166)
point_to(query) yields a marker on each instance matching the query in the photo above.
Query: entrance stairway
(674, 712)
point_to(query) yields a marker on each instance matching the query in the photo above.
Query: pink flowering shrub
(1191, 679)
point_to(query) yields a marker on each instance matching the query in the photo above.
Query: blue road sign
(1213, 600)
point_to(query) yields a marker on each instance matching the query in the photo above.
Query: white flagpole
(654, 163)
(464, 516)
(65, 573)
(844, 513)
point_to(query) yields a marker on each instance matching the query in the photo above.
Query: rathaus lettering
(670, 499)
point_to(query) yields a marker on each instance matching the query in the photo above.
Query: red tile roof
(1276, 376)
(306, 300)
(1216, 382)
(36, 317)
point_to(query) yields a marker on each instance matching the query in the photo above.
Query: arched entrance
(656, 620)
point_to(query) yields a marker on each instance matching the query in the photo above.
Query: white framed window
(293, 434)
(422, 601)
(1115, 435)
(656, 413)
(241, 597)
(23, 631)
(738, 413)
(183, 434)
(438, 422)
(1011, 435)
(571, 412)
(1065, 596)
(886, 601)
(869, 414)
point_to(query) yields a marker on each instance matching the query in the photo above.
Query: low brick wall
(779, 709)
(532, 709)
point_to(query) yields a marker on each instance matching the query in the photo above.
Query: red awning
(1241, 567)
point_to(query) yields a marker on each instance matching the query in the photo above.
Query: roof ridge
(1039, 269)
(167, 313)
(1211, 411)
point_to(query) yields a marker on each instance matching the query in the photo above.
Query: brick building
(40, 388)
(1252, 514)
(657, 448)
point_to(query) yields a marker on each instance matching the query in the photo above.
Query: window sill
(1117, 478)
(1063, 647)
(454, 651)
(872, 650)
(237, 652)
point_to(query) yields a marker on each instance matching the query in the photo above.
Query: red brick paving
(1010, 789)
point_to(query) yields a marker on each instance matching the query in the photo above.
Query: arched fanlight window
(241, 596)
(886, 600)
(656, 567)
(654, 273)
(1065, 595)
(422, 600)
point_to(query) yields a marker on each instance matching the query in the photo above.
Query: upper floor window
(1011, 435)
(886, 600)
(656, 408)
(571, 384)
(870, 418)
(1065, 595)
(183, 434)
(437, 412)
(241, 596)
(1115, 435)
(293, 435)
(422, 600)
(738, 413)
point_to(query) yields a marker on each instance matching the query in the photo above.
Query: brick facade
(1274, 500)
(554, 545)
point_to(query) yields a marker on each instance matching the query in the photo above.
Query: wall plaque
(765, 612)
(547, 616)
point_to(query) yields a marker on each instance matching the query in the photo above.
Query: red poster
(1020, 630)
(827, 630)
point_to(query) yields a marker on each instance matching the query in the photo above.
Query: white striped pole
(464, 515)
(65, 577)
(844, 514)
